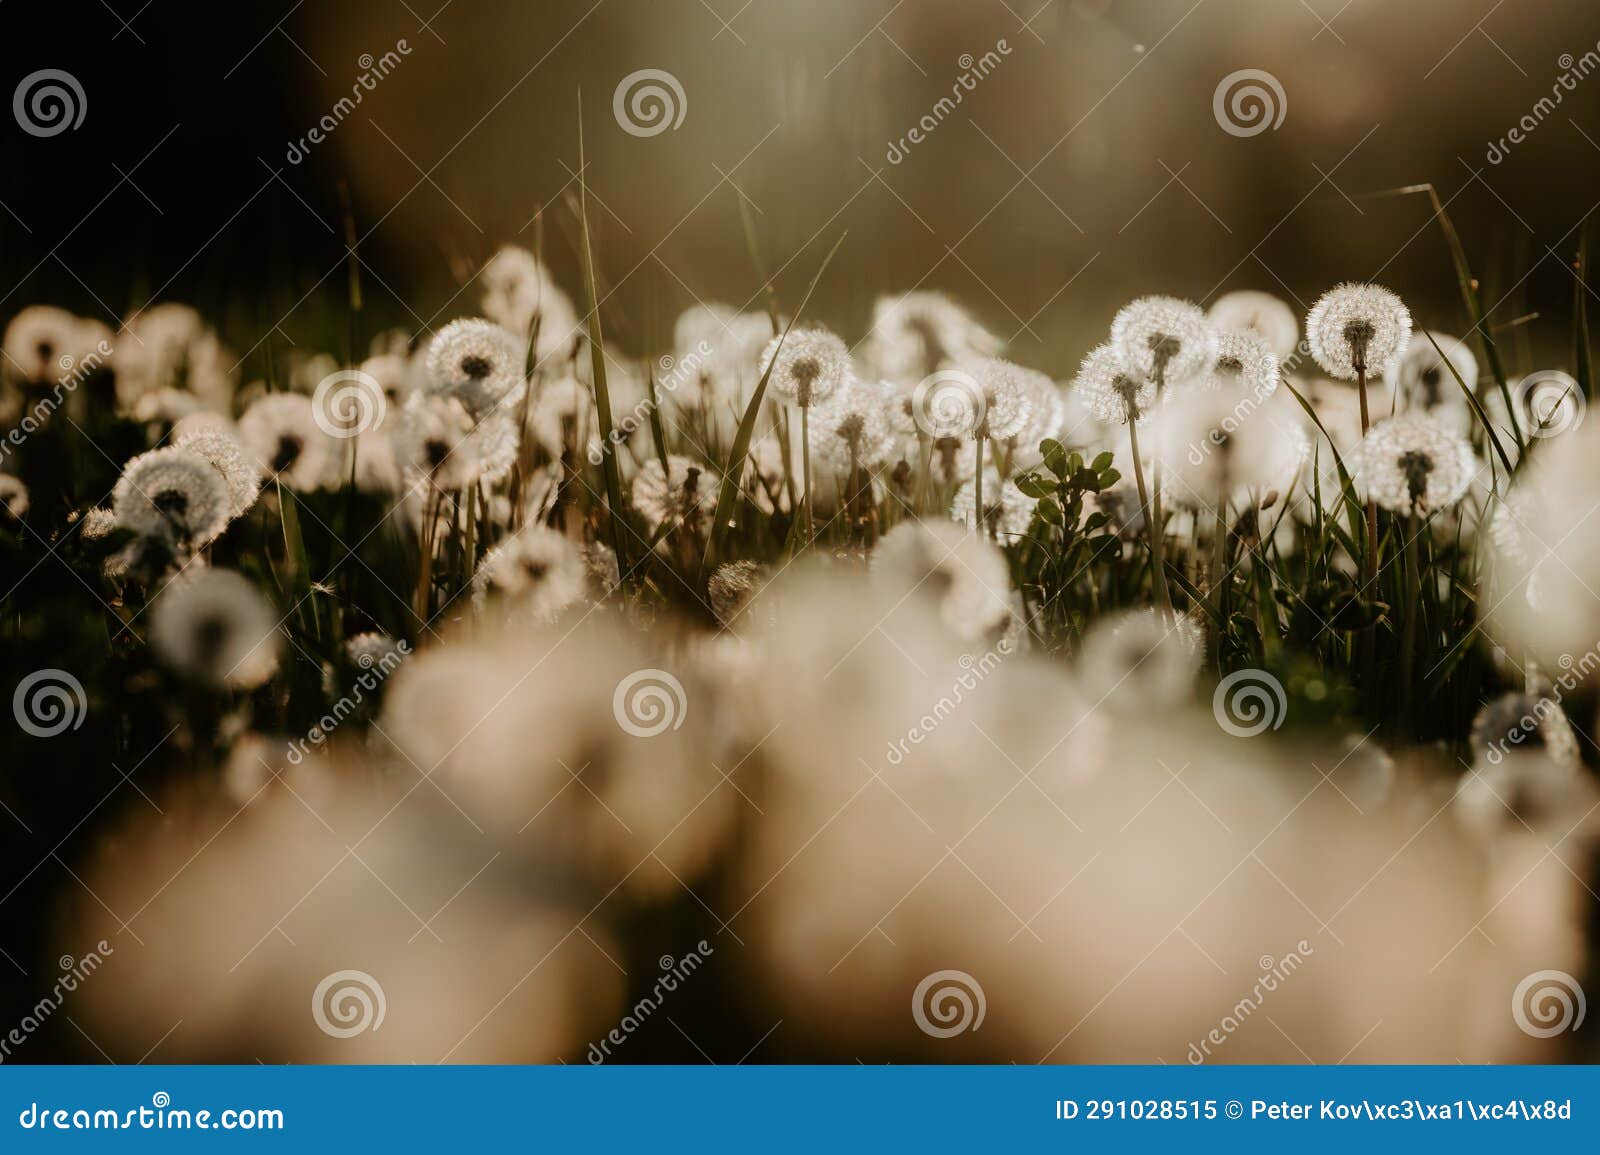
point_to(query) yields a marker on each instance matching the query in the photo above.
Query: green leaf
(1055, 456)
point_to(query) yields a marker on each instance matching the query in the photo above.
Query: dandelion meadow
(525, 539)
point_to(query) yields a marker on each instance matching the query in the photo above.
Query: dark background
(177, 186)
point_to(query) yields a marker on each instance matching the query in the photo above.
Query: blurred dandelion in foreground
(1357, 329)
(281, 432)
(214, 627)
(1137, 660)
(1007, 512)
(536, 574)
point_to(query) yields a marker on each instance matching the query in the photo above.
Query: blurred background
(1084, 163)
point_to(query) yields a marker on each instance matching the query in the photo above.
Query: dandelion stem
(805, 457)
(1146, 510)
(977, 479)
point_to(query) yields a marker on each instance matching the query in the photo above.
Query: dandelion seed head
(564, 418)
(808, 366)
(372, 649)
(172, 494)
(1110, 392)
(916, 333)
(397, 376)
(215, 627)
(1245, 365)
(1007, 393)
(437, 444)
(1140, 662)
(44, 344)
(1413, 464)
(476, 362)
(535, 575)
(732, 587)
(232, 462)
(1007, 511)
(280, 431)
(13, 496)
(169, 346)
(516, 289)
(1261, 314)
(962, 574)
(1425, 377)
(1357, 328)
(685, 494)
(1165, 337)
(851, 428)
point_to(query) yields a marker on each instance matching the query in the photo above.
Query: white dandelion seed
(808, 366)
(1413, 464)
(373, 649)
(215, 627)
(1111, 394)
(1007, 511)
(1261, 314)
(280, 431)
(1165, 339)
(1007, 400)
(535, 575)
(476, 362)
(172, 494)
(231, 461)
(1355, 329)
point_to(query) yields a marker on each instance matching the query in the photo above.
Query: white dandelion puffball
(44, 344)
(1544, 539)
(1525, 724)
(172, 494)
(1112, 394)
(1425, 379)
(516, 289)
(808, 366)
(1006, 402)
(916, 333)
(1136, 660)
(536, 575)
(1043, 412)
(231, 461)
(1413, 464)
(1262, 314)
(1355, 328)
(961, 572)
(437, 444)
(169, 346)
(1006, 509)
(475, 361)
(686, 494)
(732, 587)
(281, 432)
(1245, 366)
(1214, 447)
(397, 376)
(850, 430)
(215, 627)
(1164, 339)
(374, 649)
(564, 419)
(14, 498)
